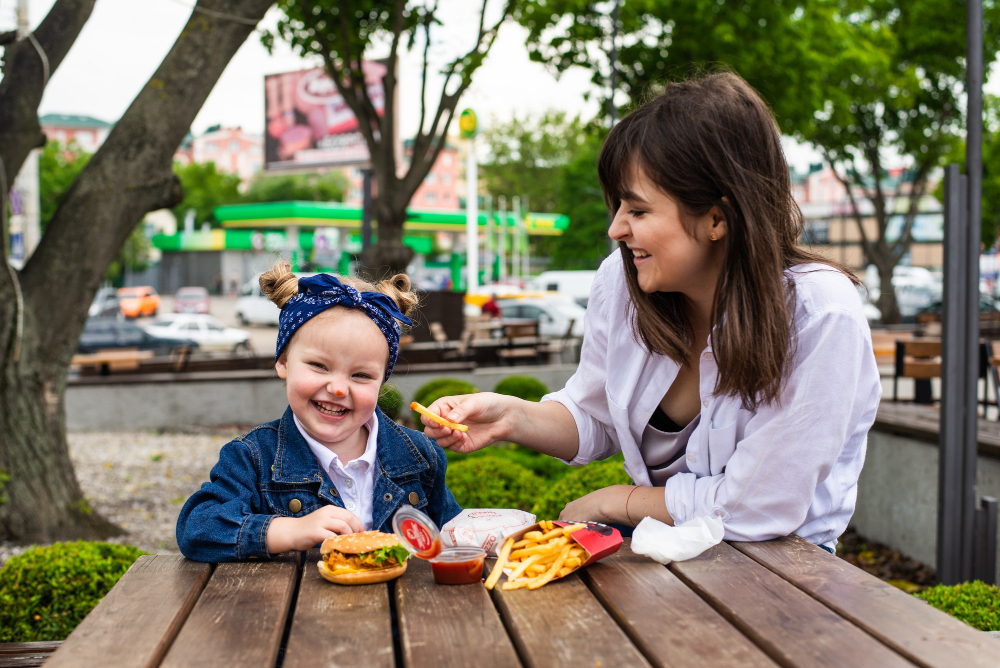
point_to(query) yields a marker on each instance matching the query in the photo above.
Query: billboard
(308, 122)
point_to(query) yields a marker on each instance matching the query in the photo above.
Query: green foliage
(433, 390)
(58, 167)
(329, 187)
(205, 188)
(580, 482)
(489, 482)
(133, 255)
(991, 170)
(975, 603)
(545, 467)
(522, 387)
(47, 591)
(390, 400)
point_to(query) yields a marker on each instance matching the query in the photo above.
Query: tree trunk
(389, 256)
(129, 176)
(887, 303)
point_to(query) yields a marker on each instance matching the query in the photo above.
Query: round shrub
(390, 400)
(489, 482)
(547, 468)
(580, 482)
(430, 392)
(47, 591)
(522, 387)
(975, 603)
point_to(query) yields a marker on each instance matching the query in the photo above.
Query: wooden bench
(26, 654)
(784, 602)
(106, 361)
(520, 341)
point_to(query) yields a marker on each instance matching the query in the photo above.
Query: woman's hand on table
(619, 504)
(486, 415)
(303, 533)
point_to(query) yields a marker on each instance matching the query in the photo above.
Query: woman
(732, 369)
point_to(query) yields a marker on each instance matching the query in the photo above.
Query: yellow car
(139, 301)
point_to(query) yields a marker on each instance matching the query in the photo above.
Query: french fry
(577, 552)
(549, 574)
(524, 543)
(543, 548)
(518, 571)
(573, 562)
(537, 569)
(570, 529)
(555, 533)
(508, 585)
(437, 418)
(535, 536)
(498, 567)
(564, 571)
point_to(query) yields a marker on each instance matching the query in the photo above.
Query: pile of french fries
(539, 557)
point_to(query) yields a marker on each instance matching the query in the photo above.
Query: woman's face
(667, 257)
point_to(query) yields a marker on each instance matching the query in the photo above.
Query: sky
(124, 42)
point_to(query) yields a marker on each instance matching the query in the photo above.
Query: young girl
(333, 463)
(744, 383)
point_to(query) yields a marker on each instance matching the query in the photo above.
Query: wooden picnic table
(780, 603)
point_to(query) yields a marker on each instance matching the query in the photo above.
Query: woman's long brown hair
(700, 141)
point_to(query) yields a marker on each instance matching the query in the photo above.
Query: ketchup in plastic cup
(459, 565)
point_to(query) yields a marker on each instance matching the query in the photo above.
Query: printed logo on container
(417, 535)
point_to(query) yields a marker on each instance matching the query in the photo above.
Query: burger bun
(372, 576)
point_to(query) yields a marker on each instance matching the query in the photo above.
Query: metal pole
(952, 551)
(471, 220)
(488, 238)
(502, 239)
(515, 252)
(526, 248)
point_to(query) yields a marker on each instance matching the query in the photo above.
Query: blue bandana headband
(322, 291)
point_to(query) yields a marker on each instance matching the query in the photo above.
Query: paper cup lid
(417, 532)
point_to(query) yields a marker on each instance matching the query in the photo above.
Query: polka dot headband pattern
(323, 291)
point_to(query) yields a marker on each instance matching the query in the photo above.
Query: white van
(253, 308)
(575, 284)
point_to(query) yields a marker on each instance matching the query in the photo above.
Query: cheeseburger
(362, 558)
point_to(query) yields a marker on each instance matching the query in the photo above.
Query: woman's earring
(713, 236)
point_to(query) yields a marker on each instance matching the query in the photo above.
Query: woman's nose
(619, 229)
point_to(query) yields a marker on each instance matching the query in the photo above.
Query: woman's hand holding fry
(485, 414)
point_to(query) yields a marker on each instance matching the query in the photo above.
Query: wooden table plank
(449, 625)
(563, 624)
(788, 624)
(240, 618)
(136, 621)
(336, 625)
(671, 625)
(913, 628)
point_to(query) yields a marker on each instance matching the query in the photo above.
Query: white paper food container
(484, 527)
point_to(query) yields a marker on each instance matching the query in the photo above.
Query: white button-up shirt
(355, 481)
(790, 467)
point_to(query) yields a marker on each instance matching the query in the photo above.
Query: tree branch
(130, 174)
(24, 80)
(844, 181)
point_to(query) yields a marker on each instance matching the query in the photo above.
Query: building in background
(88, 132)
(231, 149)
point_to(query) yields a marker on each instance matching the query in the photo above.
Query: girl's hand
(487, 415)
(303, 533)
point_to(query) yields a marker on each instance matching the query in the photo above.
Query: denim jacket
(262, 474)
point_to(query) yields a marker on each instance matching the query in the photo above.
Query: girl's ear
(281, 366)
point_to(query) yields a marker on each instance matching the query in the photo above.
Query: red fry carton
(599, 540)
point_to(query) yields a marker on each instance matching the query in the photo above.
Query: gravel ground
(140, 480)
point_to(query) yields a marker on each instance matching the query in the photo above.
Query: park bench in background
(26, 654)
(520, 342)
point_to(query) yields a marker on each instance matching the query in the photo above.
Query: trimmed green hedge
(489, 482)
(545, 467)
(975, 603)
(523, 387)
(430, 392)
(390, 400)
(47, 591)
(580, 482)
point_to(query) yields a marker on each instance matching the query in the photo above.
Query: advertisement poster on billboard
(308, 122)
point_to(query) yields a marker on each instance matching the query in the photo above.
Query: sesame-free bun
(358, 543)
(361, 577)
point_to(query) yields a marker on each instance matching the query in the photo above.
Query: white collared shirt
(355, 481)
(782, 469)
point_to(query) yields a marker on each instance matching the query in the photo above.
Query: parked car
(553, 314)
(139, 301)
(576, 284)
(104, 300)
(206, 330)
(191, 300)
(109, 333)
(253, 308)
(988, 312)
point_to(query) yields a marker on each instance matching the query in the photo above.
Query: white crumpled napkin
(664, 543)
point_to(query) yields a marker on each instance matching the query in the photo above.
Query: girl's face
(333, 368)
(667, 257)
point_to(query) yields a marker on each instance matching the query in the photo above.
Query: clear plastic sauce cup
(459, 565)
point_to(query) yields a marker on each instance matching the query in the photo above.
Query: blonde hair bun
(279, 284)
